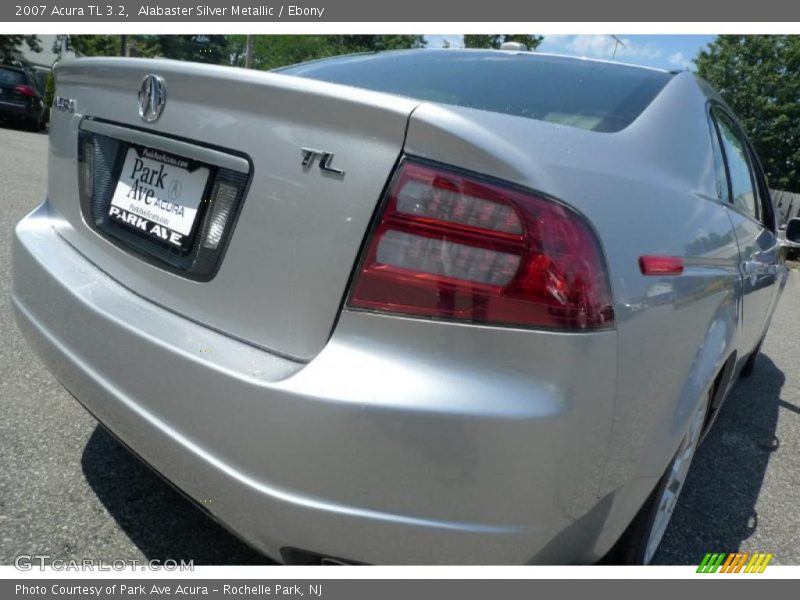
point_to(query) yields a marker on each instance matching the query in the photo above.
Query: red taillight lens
(661, 265)
(25, 90)
(455, 246)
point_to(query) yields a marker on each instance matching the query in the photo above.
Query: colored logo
(734, 562)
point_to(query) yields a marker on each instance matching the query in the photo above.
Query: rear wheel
(639, 543)
(33, 124)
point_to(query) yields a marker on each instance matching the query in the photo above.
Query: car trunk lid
(303, 162)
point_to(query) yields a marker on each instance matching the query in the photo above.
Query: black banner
(499, 11)
(388, 589)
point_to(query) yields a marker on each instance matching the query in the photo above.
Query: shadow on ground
(161, 522)
(716, 511)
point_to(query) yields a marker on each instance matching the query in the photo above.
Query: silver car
(432, 306)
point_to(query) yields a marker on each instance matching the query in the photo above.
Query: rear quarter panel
(649, 189)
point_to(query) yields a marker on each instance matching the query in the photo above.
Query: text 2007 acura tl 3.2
(413, 307)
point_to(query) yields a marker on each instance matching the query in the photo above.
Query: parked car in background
(21, 98)
(410, 307)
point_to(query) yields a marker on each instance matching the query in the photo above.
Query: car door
(753, 221)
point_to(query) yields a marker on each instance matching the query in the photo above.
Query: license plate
(158, 195)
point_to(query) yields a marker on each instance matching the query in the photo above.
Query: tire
(33, 124)
(640, 541)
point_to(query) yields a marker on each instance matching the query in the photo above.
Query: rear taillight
(455, 246)
(25, 90)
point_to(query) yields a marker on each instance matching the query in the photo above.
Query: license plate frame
(160, 196)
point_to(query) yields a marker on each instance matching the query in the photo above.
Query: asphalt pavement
(70, 491)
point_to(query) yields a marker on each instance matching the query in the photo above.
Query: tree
(10, 45)
(759, 77)
(197, 48)
(269, 51)
(211, 49)
(49, 89)
(378, 43)
(272, 51)
(90, 45)
(496, 40)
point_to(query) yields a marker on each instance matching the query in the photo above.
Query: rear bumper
(15, 110)
(401, 442)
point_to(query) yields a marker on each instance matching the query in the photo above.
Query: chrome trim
(152, 97)
(152, 140)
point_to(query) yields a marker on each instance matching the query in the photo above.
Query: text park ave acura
(410, 307)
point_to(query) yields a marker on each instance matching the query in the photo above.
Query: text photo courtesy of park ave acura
(399, 299)
(166, 589)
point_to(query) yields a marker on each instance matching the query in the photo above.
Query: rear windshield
(587, 94)
(12, 76)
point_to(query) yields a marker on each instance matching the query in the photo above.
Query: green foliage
(759, 77)
(211, 49)
(482, 41)
(269, 51)
(50, 89)
(11, 44)
(94, 45)
(496, 40)
(272, 51)
(197, 48)
(378, 43)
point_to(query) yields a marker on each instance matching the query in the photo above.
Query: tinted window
(719, 165)
(741, 178)
(765, 205)
(12, 76)
(39, 77)
(583, 93)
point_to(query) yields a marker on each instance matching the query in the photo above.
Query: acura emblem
(152, 97)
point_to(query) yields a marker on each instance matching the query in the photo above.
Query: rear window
(587, 94)
(12, 76)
